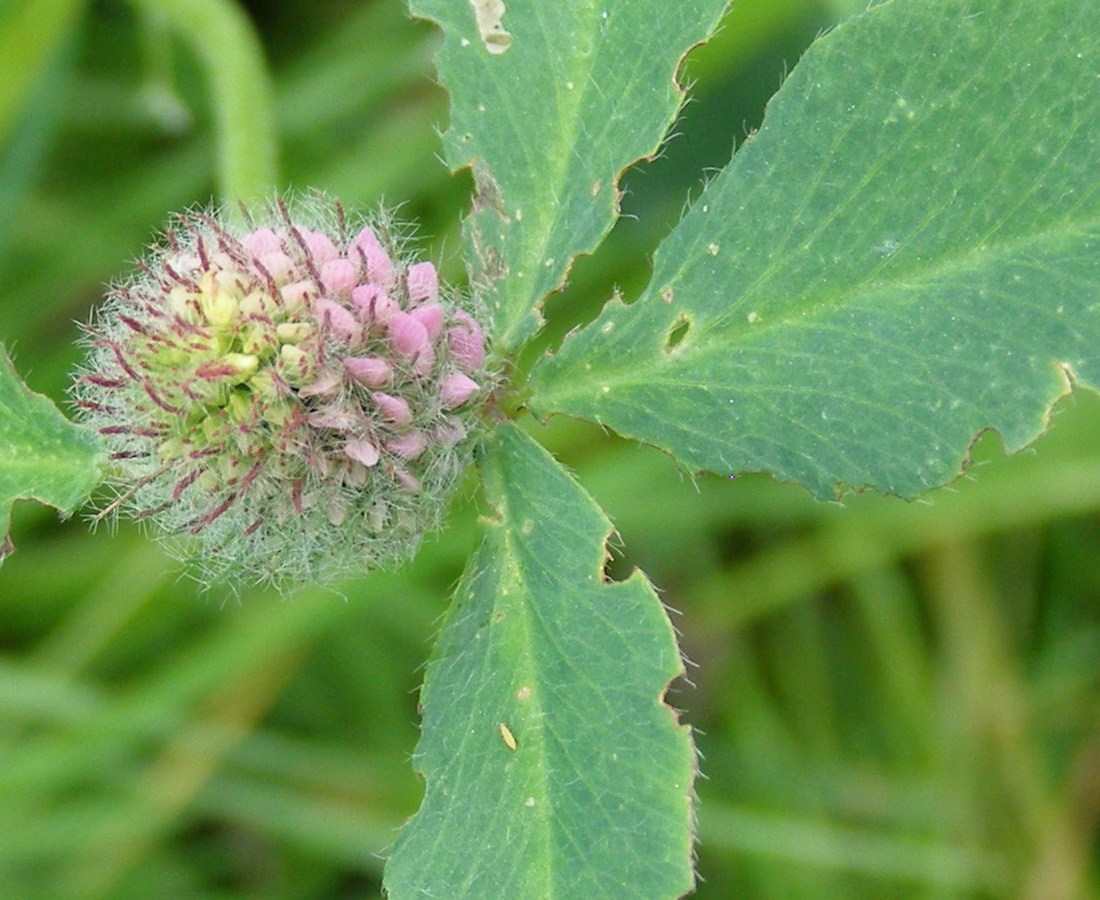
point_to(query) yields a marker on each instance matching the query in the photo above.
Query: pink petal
(338, 276)
(374, 304)
(424, 363)
(408, 336)
(296, 296)
(431, 317)
(379, 266)
(456, 389)
(422, 282)
(277, 264)
(467, 342)
(321, 249)
(261, 242)
(369, 371)
(335, 417)
(396, 409)
(409, 446)
(362, 451)
(325, 386)
(336, 317)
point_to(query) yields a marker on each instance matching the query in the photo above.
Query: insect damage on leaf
(490, 18)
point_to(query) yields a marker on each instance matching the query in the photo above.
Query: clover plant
(906, 254)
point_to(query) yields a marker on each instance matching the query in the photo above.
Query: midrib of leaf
(813, 308)
(514, 582)
(978, 252)
(595, 799)
(533, 638)
(39, 462)
(531, 677)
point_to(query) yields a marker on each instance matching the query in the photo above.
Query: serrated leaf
(906, 254)
(43, 456)
(547, 109)
(552, 767)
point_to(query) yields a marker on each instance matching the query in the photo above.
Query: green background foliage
(891, 700)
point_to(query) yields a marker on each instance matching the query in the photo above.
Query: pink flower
(409, 446)
(466, 342)
(396, 409)
(338, 276)
(408, 336)
(293, 399)
(369, 371)
(379, 266)
(456, 389)
(422, 282)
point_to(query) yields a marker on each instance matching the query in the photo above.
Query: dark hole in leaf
(677, 334)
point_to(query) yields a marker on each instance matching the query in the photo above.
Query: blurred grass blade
(553, 769)
(224, 40)
(547, 109)
(906, 254)
(43, 456)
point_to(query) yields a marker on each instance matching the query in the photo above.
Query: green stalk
(222, 37)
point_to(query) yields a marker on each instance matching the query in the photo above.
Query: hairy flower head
(283, 393)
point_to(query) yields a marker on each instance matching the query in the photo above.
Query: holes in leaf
(616, 567)
(677, 334)
(490, 25)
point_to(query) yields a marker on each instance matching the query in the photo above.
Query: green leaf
(547, 109)
(593, 801)
(43, 456)
(906, 254)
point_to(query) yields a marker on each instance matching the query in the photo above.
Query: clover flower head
(284, 393)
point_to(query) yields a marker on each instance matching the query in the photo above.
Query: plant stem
(225, 42)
